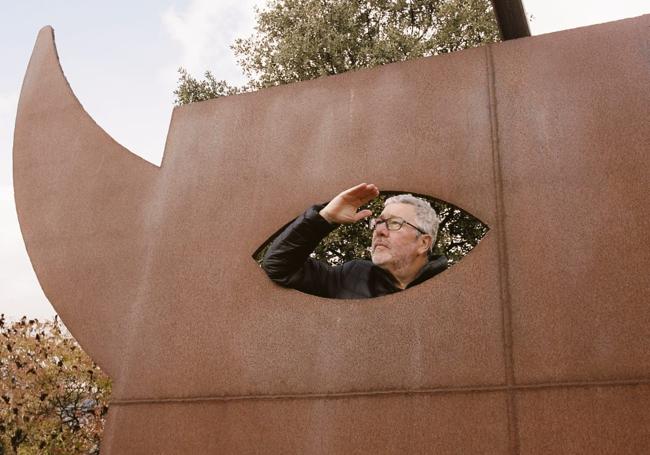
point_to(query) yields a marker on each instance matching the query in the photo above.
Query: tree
(190, 89)
(297, 40)
(53, 397)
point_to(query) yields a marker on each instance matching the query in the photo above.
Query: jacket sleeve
(287, 260)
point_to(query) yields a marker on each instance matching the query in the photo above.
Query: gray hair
(426, 217)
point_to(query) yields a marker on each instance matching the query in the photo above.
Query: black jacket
(287, 262)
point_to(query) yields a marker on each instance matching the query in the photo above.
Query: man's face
(394, 250)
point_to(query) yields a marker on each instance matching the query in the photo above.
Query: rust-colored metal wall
(537, 342)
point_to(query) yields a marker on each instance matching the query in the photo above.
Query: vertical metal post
(511, 18)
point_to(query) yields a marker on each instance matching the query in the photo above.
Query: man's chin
(379, 257)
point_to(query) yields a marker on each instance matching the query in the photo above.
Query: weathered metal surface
(539, 339)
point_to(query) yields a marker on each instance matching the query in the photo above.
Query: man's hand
(343, 208)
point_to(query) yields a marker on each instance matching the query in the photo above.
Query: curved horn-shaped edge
(80, 198)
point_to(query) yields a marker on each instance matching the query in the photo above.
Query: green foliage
(53, 398)
(297, 40)
(458, 232)
(191, 89)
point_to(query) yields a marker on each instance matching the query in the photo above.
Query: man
(402, 239)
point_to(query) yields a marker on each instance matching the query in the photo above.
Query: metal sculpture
(537, 342)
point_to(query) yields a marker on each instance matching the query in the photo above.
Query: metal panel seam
(504, 284)
(374, 393)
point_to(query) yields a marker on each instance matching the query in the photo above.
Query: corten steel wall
(537, 342)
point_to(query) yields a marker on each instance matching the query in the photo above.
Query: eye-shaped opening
(345, 263)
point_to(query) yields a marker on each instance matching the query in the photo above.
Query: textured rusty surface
(417, 423)
(543, 139)
(596, 420)
(585, 180)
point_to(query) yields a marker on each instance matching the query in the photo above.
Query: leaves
(297, 40)
(50, 403)
(190, 89)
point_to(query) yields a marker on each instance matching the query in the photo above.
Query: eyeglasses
(392, 224)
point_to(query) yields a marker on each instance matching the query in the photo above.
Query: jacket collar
(433, 267)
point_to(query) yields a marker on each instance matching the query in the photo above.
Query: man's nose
(381, 229)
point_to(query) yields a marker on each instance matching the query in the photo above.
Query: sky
(121, 59)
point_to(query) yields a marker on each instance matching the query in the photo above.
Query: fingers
(362, 189)
(355, 189)
(362, 214)
(372, 193)
(360, 194)
(343, 208)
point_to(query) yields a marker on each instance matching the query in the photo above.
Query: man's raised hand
(343, 208)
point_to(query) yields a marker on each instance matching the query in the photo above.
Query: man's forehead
(406, 211)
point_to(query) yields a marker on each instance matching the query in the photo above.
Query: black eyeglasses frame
(374, 222)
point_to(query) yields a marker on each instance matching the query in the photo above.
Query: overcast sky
(121, 57)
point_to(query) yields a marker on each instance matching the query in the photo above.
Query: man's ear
(425, 244)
